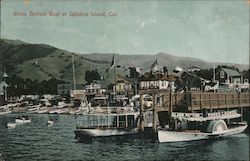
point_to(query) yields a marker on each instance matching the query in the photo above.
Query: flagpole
(114, 78)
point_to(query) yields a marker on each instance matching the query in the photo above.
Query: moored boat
(42, 110)
(3, 112)
(198, 126)
(54, 111)
(50, 122)
(33, 110)
(108, 125)
(11, 125)
(62, 111)
(23, 119)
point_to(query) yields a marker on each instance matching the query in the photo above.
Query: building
(95, 88)
(78, 94)
(154, 83)
(156, 68)
(156, 79)
(3, 86)
(3, 89)
(246, 77)
(123, 87)
(228, 76)
(63, 89)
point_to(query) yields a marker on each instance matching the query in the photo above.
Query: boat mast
(73, 68)
(213, 72)
(170, 106)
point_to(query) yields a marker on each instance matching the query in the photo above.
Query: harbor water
(36, 141)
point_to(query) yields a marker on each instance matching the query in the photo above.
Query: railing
(219, 100)
(191, 101)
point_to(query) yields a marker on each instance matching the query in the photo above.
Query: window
(222, 74)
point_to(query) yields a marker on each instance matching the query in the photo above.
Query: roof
(231, 72)
(154, 64)
(246, 73)
(149, 77)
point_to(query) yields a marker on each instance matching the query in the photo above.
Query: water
(36, 141)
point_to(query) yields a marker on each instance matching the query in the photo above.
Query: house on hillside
(228, 76)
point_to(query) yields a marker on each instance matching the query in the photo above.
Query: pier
(166, 102)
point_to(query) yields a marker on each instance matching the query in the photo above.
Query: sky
(208, 30)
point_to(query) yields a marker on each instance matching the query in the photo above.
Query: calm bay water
(36, 141)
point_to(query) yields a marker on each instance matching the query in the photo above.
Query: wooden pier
(166, 102)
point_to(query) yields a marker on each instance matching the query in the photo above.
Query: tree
(133, 73)
(91, 75)
(165, 69)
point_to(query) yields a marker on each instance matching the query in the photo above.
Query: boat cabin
(200, 121)
(110, 121)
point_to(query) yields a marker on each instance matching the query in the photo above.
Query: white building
(156, 79)
(154, 84)
(94, 88)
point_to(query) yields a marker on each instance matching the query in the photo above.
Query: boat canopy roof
(210, 116)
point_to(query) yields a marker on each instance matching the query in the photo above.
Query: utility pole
(213, 72)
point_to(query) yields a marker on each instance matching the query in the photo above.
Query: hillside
(145, 61)
(42, 62)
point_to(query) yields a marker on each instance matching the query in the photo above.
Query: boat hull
(88, 133)
(42, 111)
(11, 125)
(175, 136)
(22, 121)
(5, 112)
